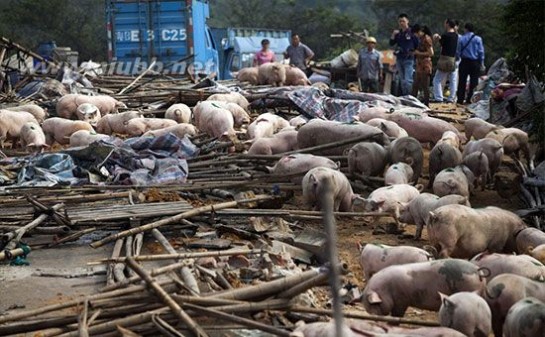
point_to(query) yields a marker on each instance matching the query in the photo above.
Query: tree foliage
(525, 35)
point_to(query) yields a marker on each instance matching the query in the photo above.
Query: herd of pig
(503, 293)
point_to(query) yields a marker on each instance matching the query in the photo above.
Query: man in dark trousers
(471, 53)
(446, 67)
(406, 43)
(299, 54)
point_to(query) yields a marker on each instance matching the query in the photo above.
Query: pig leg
(419, 227)
(399, 311)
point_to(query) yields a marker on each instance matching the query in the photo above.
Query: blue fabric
(406, 42)
(405, 68)
(474, 50)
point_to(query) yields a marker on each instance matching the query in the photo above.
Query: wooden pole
(165, 298)
(185, 215)
(137, 79)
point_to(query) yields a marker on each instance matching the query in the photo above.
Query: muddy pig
(116, 123)
(38, 112)
(295, 76)
(313, 189)
(279, 143)
(389, 128)
(398, 173)
(68, 104)
(443, 155)
(249, 74)
(232, 97)
(503, 291)
(390, 199)
(491, 148)
(138, 126)
(85, 138)
(33, 137)
(513, 141)
(89, 113)
(525, 318)
(271, 74)
(181, 130)
(477, 162)
(375, 257)
(367, 159)
(179, 112)
(522, 265)
(319, 132)
(418, 210)
(457, 180)
(300, 163)
(478, 128)
(11, 123)
(529, 238)
(466, 312)
(408, 150)
(463, 232)
(425, 129)
(60, 129)
(393, 289)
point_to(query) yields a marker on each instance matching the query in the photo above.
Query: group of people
(461, 56)
(298, 53)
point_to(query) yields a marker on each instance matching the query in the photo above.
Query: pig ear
(432, 216)
(377, 204)
(269, 168)
(445, 300)
(529, 249)
(374, 298)
(419, 187)
(358, 200)
(360, 246)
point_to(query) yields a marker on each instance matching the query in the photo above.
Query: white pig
(38, 112)
(390, 199)
(85, 138)
(313, 189)
(279, 143)
(300, 163)
(33, 137)
(388, 127)
(457, 180)
(399, 173)
(232, 97)
(11, 123)
(116, 123)
(89, 113)
(466, 312)
(138, 126)
(180, 131)
(68, 104)
(60, 129)
(179, 112)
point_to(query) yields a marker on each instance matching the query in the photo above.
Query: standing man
(406, 43)
(446, 66)
(299, 54)
(471, 53)
(369, 66)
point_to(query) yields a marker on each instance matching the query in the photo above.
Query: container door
(132, 33)
(169, 21)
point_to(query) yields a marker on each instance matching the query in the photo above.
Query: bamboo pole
(185, 215)
(111, 266)
(165, 298)
(247, 307)
(137, 78)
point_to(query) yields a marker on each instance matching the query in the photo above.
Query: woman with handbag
(446, 66)
(423, 55)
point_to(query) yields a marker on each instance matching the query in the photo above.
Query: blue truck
(175, 34)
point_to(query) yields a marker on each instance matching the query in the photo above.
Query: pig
(38, 112)
(249, 75)
(320, 85)
(11, 123)
(351, 328)
(389, 199)
(408, 150)
(179, 112)
(443, 155)
(89, 113)
(214, 120)
(266, 125)
(529, 238)
(232, 97)
(538, 253)
(59, 130)
(491, 148)
(398, 173)
(525, 318)
(240, 116)
(281, 142)
(466, 312)
(68, 104)
(418, 210)
(391, 129)
(138, 126)
(367, 159)
(272, 73)
(85, 138)
(375, 257)
(451, 138)
(424, 332)
(503, 291)
(116, 123)
(425, 129)
(300, 163)
(181, 130)
(456, 180)
(368, 114)
(298, 121)
(522, 265)
(393, 289)
(463, 232)
(313, 188)
(295, 76)
(32, 137)
(477, 162)
(478, 128)
(319, 132)
(513, 141)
